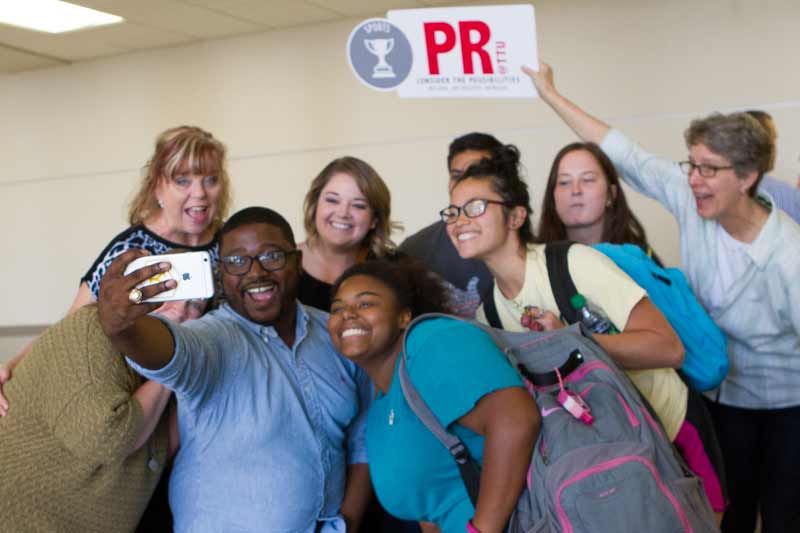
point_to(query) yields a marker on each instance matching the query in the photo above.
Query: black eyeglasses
(707, 171)
(473, 208)
(239, 265)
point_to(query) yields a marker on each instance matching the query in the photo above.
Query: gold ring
(135, 296)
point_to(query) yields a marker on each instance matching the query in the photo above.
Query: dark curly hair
(415, 287)
(503, 172)
(479, 142)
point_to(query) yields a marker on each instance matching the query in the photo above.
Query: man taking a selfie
(269, 414)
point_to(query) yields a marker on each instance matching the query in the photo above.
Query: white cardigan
(761, 314)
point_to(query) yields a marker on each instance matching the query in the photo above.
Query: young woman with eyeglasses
(489, 219)
(740, 257)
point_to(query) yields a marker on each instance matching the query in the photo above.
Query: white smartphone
(191, 271)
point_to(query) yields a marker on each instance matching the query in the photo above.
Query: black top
(317, 293)
(314, 293)
(469, 277)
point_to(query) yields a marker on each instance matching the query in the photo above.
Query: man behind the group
(269, 414)
(469, 277)
(786, 197)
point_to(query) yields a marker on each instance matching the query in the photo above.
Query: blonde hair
(182, 149)
(374, 189)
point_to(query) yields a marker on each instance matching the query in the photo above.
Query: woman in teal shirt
(465, 380)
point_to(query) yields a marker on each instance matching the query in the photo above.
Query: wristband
(471, 527)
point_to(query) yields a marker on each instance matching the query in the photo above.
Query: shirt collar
(269, 332)
(762, 248)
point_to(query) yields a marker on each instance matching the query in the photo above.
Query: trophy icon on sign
(381, 48)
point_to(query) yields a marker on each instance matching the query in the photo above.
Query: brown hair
(182, 149)
(620, 225)
(766, 121)
(739, 138)
(378, 240)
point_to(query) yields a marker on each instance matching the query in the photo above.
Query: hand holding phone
(190, 270)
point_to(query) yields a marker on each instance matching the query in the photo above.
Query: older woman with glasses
(181, 202)
(740, 256)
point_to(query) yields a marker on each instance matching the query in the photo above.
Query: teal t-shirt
(453, 365)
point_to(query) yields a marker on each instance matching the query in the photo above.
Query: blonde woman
(347, 220)
(181, 202)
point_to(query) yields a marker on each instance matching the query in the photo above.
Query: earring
(160, 203)
(608, 203)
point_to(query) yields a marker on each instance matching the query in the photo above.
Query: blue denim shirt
(267, 431)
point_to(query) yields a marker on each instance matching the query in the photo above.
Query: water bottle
(591, 318)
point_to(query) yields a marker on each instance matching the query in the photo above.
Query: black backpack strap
(490, 308)
(560, 279)
(546, 379)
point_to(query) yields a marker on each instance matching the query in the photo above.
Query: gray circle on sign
(379, 54)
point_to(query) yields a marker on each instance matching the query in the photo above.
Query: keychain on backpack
(573, 403)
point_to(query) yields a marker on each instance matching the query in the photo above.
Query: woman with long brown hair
(584, 201)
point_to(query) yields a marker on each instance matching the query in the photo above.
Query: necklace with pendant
(391, 417)
(519, 305)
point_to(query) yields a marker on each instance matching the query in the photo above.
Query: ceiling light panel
(52, 16)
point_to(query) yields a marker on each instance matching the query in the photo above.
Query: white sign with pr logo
(460, 52)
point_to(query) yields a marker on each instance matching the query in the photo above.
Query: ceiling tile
(17, 61)
(271, 13)
(134, 36)
(448, 3)
(185, 17)
(90, 43)
(366, 8)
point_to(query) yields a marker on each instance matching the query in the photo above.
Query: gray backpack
(615, 474)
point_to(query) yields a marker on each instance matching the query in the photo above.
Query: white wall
(74, 138)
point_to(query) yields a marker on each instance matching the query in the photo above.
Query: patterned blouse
(140, 237)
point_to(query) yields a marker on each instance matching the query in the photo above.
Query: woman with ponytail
(490, 219)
